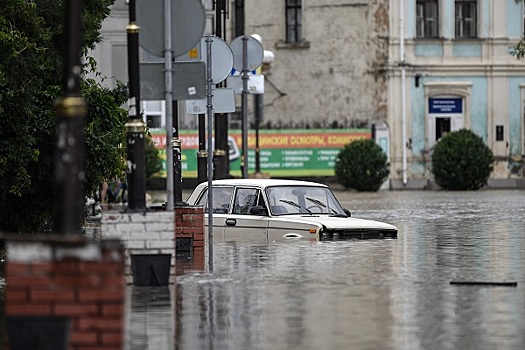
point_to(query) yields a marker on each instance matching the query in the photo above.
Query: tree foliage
(31, 71)
(362, 165)
(462, 161)
(153, 160)
(519, 50)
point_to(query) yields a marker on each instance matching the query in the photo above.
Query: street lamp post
(135, 149)
(71, 110)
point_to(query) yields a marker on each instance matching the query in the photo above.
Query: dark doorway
(442, 127)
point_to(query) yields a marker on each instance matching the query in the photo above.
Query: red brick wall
(189, 223)
(91, 293)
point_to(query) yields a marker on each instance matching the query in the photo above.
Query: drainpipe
(403, 90)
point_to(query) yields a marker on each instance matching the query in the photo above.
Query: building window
(294, 21)
(466, 22)
(427, 18)
(154, 114)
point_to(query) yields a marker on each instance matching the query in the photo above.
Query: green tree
(362, 165)
(519, 50)
(31, 75)
(153, 160)
(462, 161)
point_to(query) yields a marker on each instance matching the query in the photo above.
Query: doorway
(442, 127)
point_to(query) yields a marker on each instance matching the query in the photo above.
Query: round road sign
(187, 25)
(255, 53)
(221, 58)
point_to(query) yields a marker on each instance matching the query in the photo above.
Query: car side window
(245, 199)
(222, 197)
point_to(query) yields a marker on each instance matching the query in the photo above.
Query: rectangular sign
(188, 81)
(445, 105)
(282, 153)
(255, 84)
(223, 101)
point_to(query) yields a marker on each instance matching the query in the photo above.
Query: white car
(269, 210)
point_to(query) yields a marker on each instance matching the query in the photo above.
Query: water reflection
(150, 324)
(377, 294)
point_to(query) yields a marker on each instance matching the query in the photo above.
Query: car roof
(263, 182)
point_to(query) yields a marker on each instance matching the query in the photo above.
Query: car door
(222, 199)
(246, 223)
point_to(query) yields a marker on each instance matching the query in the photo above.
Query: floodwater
(356, 294)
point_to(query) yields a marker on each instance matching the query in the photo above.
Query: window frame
(294, 29)
(426, 20)
(466, 26)
(219, 207)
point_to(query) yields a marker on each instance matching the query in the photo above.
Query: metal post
(168, 72)
(135, 148)
(221, 119)
(202, 155)
(219, 153)
(71, 110)
(403, 90)
(209, 106)
(258, 100)
(177, 157)
(245, 107)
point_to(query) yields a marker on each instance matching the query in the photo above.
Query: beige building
(329, 61)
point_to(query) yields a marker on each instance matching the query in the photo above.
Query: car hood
(340, 223)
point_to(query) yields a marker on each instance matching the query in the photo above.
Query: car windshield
(303, 199)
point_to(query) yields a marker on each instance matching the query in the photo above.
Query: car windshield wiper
(318, 202)
(293, 204)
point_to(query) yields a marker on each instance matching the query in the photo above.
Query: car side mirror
(258, 210)
(347, 212)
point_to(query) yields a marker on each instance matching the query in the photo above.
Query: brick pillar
(189, 224)
(142, 234)
(58, 276)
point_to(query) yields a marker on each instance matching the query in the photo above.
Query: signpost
(219, 61)
(184, 24)
(248, 55)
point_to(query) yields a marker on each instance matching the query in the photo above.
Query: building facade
(450, 67)
(416, 69)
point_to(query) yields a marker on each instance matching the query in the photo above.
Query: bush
(362, 165)
(461, 161)
(153, 160)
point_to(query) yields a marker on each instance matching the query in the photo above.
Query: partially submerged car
(272, 210)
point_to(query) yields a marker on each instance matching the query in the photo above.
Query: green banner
(283, 153)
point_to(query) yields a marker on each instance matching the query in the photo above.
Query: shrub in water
(462, 161)
(362, 165)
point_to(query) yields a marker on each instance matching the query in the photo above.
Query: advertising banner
(283, 153)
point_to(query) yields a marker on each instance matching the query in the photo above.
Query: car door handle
(231, 222)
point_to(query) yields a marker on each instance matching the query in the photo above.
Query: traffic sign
(223, 101)
(255, 84)
(221, 57)
(189, 81)
(187, 25)
(254, 53)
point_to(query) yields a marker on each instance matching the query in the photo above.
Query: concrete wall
(335, 77)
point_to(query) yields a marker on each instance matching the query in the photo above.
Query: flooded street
(357, 294)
